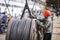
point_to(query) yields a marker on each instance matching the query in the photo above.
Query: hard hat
(47, 13)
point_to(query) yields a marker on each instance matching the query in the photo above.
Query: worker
(45, 22)
(4, 18)
(48, 24)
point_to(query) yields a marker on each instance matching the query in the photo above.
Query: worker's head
(47, 13)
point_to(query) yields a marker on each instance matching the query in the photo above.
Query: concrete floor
(56, 30)
(2, 36)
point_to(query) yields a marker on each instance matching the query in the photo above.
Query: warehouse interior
(29, 19)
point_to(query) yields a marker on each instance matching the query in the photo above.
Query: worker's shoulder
(49, 19)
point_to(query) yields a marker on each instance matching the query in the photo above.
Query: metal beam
(2, 4)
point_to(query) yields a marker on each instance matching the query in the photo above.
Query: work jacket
(46, 23)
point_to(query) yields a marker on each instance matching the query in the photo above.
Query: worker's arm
(39, 23)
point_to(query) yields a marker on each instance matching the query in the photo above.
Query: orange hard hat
(47, 13)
